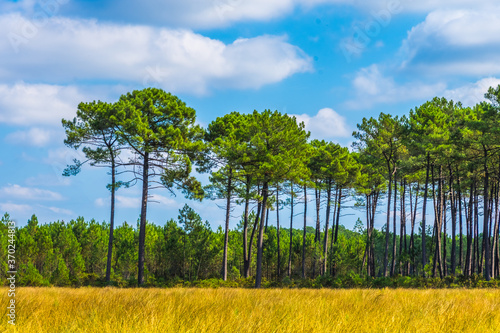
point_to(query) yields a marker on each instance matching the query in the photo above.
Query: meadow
(245, 310)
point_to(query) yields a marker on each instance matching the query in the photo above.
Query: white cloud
(177, 60)
(99, 202)
(454, 42)
(473, 93)
(60, 210)
(36, 104)
(326, 124)
(371, 87)
(219, 13)
(50, 179)
(29, 193)
(34, 137)
(164, 201)
(12, 207)
(135, 202)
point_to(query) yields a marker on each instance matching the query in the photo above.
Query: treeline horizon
(443, 158)
(187, 252)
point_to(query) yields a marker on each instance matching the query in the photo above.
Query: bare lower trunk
(424, 206)
(258, 277)
(142, 227)
(304, 235)
(291, 233)
(111, 221)
(278, 232)
(226, 233)
(387, 225)
(327, 220)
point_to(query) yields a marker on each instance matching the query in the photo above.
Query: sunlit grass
(246, 310)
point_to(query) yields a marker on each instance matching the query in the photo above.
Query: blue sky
(328, 62)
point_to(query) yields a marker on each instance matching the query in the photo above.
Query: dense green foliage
(186, 252)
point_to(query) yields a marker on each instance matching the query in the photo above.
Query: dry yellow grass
(243, 310)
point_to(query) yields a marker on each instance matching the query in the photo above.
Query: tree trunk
(460, 227)
(424, 206)
(394, 254)
(111, 220)
(278, 231)
(226, 234)
(339, 202)
(486, 216)
(387, 225)
(495, 236)
(327, 220)
(291, 233)
(317, 234)
(257, 222)
(453, 225)
(142, 228)
(402, 237)
(304, 235)
(258, 277)
(245, 229)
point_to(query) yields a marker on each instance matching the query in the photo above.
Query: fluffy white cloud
(10, 207)
(326, 124)
(37, 104)
(457, 42)
(28, 193)
(135, 202)
(50, 179)
(178, 60)
(473, 93)
(34, 137)
(372, 87)
(216, 13)
(60, 211)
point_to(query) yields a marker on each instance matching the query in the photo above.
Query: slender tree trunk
(486, 215)
(469, 224)
(317, 235)
(291, 233)
(142, 227)
(460, 227)
(394, 255)
(495, 236)
(372, 226)
(412, 237)
(278, 231)
(245, 229)
(368, 235)
(387, 225)
(475, 255)
(226, 234)
(304, 235)
(111, 220)
(441, 222)
(402, 237)
(436, 218)
(267, 220)
(327, 220)
(334, 218)
(445, 265)
(424, 206)
(339, 202)
(453, 224)
(255, 225)
(258, 277)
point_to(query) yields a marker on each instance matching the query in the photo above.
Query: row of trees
(442, 154)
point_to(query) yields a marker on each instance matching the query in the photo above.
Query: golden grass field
(246, 310)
